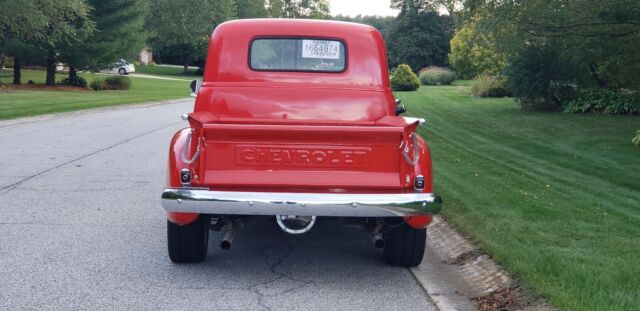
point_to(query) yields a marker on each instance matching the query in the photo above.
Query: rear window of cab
(297, 54)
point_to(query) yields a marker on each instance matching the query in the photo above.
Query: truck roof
(228, 54)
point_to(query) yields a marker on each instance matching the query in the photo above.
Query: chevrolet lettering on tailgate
(303, 156)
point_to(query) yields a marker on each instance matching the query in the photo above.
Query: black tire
(188, 243)
(122, 71)
(404, 246)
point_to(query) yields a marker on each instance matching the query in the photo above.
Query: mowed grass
(553, 197)
(16, 103)
(166, 71)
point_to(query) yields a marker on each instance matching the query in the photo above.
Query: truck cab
(295, 120)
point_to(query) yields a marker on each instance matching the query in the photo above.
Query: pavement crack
(13, 186)
(280, 275)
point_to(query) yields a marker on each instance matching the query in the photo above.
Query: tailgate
(300, 156)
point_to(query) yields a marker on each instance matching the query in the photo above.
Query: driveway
(81, 227)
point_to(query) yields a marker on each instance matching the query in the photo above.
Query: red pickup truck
(295, 120)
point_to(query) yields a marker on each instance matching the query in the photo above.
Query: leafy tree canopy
(382, 23)
(251, 8)
(602, 36)
(419, 39)
(187, 24)
(299, 8)
(119, 34)
(473, 52)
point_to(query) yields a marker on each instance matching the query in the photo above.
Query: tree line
(93, 34)
(547, 53)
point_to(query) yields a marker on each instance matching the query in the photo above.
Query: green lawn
(553, 197)
(173, 72)
(20, 103)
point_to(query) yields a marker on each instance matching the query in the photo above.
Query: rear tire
(122, 71)
(404, 246)
(188, 243)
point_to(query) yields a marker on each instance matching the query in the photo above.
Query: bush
(540, 79)
(97, 85)
(489, 86)
(30, 82)
(404, 79)
(200, 71)
(605, 101)
(117, 83)
(436, 76)
(75, 81)
(8, 62)
(636, 140)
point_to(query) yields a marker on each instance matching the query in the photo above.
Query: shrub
(117, 83)
(436, 76)
(540, 79)
(97, 85)
(404, 79)
(30, 82)
(200, 71)
(8, 62)
(75, 81)
(636, 140)
(606, 101)
(489, 86)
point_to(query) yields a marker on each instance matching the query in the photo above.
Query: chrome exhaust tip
(232, 229)
(376, 236)
(378, 242)
(225, 244)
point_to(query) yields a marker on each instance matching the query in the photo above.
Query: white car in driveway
(123, 67)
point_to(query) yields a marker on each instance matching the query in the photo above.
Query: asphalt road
(81, 227)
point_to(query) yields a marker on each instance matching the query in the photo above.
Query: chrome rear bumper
(303, 204)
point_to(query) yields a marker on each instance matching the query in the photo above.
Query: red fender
(173, 176)
(423, 168)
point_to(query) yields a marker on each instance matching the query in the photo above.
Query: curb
(438, 279)
(456, 275)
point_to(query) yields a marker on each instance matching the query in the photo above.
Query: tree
(68, 22)
(119, 33)
(186, 25)
(419, 39)
(16, 35)
(473, 52)
(299, 8)
(251, 8)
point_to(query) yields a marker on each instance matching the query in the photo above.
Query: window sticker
(321, 49)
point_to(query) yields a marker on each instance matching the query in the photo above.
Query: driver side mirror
(195, 87)
(400, 109)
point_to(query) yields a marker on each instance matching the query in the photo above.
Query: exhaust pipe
(376, 236)
(232, 229)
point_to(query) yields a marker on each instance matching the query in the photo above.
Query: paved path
(81, 227)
